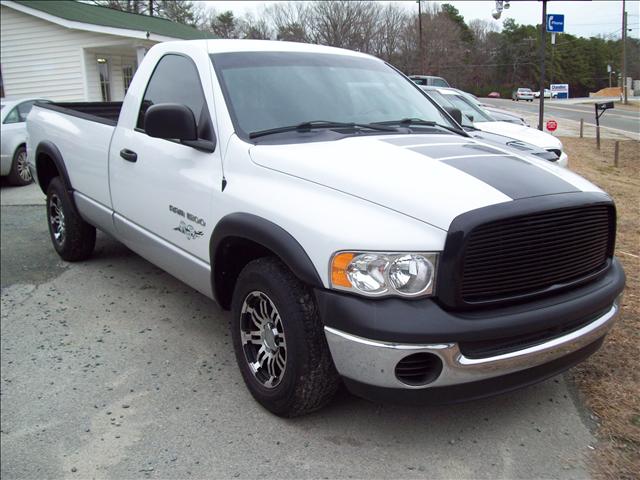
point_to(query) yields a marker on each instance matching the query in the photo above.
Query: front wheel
(19, 174)
(279, 340)
(72, 237)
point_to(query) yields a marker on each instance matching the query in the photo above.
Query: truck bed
(102, 112)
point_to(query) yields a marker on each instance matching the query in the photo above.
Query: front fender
(266, 234)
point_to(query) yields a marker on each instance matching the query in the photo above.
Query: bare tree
(254, 28)
(343, 23)
(131, 6)
(291, 21)
(392, 24)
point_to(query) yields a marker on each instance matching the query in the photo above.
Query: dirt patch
(609, 381)
(607, 92)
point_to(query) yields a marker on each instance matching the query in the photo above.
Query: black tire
(76, 239)
(309, 379)
(19, 174)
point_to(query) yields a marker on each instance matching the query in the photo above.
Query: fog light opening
(419, 369)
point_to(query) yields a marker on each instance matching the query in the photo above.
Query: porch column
(140, 52)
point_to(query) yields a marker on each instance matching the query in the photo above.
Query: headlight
(383, 274)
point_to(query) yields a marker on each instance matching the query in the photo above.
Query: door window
(19, 112)
(176, 80)
(13, 116)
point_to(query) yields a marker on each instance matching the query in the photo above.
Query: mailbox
(604, 105)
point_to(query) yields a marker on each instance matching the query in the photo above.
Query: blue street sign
(555, 23)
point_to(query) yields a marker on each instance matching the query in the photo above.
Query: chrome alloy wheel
(22, 168)
(56, 217)
(263, 340)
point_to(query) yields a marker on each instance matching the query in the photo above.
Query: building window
(127, 76)
(105, 81)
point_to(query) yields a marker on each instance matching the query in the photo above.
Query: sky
(582, 17)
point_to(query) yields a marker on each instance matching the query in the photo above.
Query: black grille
(532, 253)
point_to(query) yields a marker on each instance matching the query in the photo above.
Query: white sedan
(13, 140)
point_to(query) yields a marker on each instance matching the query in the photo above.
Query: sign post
(552, 23)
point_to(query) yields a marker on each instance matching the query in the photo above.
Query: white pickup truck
(355, 232)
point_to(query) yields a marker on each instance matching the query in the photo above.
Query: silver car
(13, 140)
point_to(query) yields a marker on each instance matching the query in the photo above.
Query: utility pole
(553, 51)
(543, 37)
(624, 53)
(423, 67)
(151, 8)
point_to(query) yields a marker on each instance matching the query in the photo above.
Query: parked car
(483, 120)
(501, 141)
(547, 94)
(429, 80)
(13, 140)
(522, 94)
(494, 95)
(351, 226)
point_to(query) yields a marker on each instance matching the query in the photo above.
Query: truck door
(163, 191)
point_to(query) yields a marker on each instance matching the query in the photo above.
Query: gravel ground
(113, 369)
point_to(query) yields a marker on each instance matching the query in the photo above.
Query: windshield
(267, 90)
(468, 109)
(524, 90)
(444, 101)
(439, 82)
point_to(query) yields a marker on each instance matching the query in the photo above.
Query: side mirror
(171, 121)
(455, 113)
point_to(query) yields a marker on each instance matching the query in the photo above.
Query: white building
(72, 51)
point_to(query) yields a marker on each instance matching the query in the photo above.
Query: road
(616, 119)
(113, 369)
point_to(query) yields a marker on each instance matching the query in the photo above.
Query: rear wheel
(279, 340)
(72, 237)
(19, 174)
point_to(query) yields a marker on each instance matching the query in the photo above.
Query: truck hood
(520, 132)
(429, 177)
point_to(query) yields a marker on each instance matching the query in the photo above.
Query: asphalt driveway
(112, 368)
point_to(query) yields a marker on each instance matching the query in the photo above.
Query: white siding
(42, 59)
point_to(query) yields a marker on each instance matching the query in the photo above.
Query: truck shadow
(538, 400)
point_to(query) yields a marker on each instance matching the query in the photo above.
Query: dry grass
(610, 380)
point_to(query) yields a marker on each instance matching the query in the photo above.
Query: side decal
(188, 231)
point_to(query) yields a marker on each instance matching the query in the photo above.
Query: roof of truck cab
(228, 46)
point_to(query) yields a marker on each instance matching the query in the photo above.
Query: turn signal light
(339, 269)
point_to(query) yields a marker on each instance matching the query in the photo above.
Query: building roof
(74, 11)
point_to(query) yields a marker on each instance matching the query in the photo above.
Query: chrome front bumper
(373, 362)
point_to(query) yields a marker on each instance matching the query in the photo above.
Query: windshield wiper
(408, 122)
(318, 124)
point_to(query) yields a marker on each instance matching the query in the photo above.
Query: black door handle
(129, 155)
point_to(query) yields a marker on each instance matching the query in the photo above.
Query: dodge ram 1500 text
(352, 228)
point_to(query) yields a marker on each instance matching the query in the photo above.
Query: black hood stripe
(512, 176)
(456, 150)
